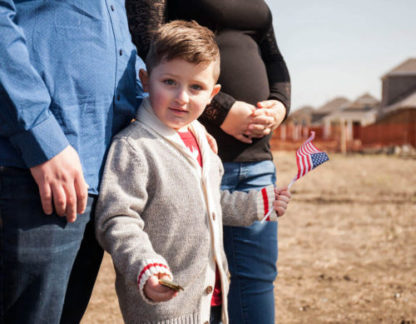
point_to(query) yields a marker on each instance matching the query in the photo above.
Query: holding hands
(238, 120)
(245, 121)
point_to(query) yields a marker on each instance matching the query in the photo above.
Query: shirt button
(213, 216)
(208, 290)
(121, 52)
(112, 8)
(206, 322)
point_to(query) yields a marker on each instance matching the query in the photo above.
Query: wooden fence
(289, 137)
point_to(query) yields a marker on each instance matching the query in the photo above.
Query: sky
(342, 48)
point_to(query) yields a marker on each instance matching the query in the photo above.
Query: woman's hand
(155, 291)
(267, 117)
(245, 121)
(238, 119)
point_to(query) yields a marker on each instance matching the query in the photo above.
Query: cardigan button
(208, 290)
(213, 216)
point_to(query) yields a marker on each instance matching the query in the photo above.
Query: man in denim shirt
(68, 82)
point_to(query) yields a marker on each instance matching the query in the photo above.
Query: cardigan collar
(150, 121)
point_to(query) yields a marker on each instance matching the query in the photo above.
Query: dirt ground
(347, 245)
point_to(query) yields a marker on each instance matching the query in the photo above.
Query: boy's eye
(196, 87)
(169, 82)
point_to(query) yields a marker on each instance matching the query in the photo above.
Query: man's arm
(30, 126)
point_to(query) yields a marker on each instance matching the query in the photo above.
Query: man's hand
(61, 180)
(155, 291)
(266, 118)
(237, 120)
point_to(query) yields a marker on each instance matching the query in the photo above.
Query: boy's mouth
(179, 110)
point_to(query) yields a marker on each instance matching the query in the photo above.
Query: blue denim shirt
(68, 76)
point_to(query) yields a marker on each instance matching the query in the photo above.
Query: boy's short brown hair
(186, 40)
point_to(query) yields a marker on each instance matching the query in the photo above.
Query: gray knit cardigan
(159, 211)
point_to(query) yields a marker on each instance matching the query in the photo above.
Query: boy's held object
(170, 284)
(308, 157)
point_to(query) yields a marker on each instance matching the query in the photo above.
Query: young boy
(160, 208)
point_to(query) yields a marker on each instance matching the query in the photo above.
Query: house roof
(364, 102)
(304, 110)
(407, 67)
(333, 105)
(407, 102)
(361, 116)
(302, 114)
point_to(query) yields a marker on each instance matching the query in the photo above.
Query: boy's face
(179, 91)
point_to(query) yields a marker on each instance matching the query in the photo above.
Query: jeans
(251, 251)
(37, 255)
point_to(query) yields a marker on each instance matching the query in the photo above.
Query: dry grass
(347, 245)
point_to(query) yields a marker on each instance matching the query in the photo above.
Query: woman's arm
(145, 16)
(245, 121)
(277, 72)
(273, 111)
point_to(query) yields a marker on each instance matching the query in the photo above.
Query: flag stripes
(304, 158)
(308, 157)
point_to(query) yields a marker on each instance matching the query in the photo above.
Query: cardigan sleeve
(241, 208)
(119, 225)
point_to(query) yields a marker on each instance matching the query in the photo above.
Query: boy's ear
(216, 89)
(144, 78)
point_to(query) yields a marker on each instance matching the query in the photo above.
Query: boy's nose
(182, 96)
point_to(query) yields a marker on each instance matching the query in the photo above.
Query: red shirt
(190, 142)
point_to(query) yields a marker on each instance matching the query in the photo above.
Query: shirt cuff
(40, 143)
(216, 112)
(265, 210)
(148, 269)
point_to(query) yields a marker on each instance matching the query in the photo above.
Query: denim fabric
(37, 252)
(251, 251)
(83, 275)
(68, 75)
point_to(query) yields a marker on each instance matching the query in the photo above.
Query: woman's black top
(252, 68)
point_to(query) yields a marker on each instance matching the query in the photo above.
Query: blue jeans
(251, 251)
(37, 255)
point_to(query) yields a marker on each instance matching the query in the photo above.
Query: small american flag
(308, 157)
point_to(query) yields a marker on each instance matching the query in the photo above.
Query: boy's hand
(282, 200)
(155, 291)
